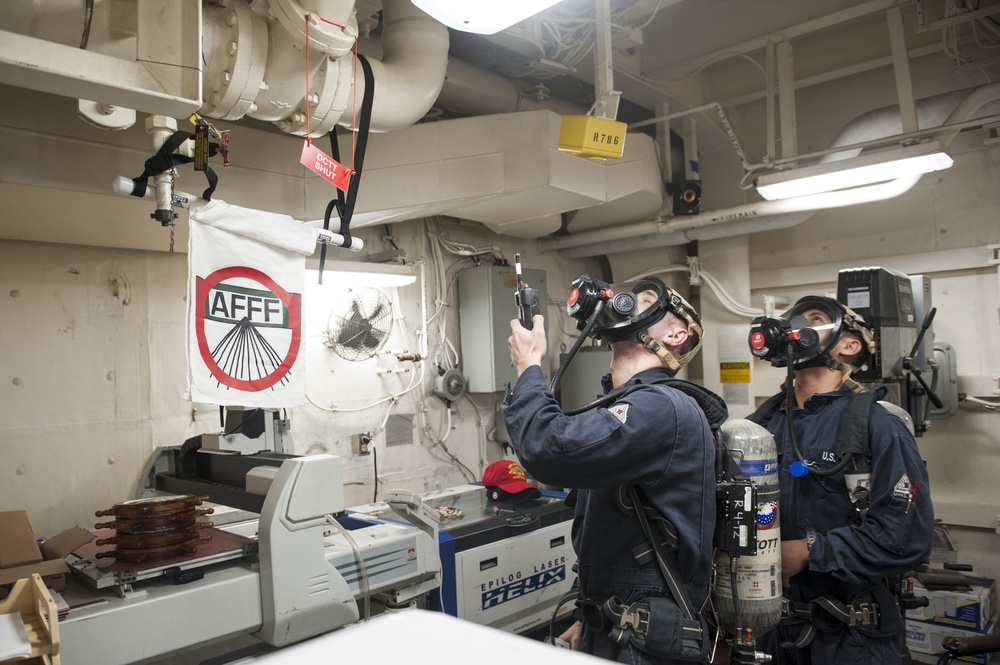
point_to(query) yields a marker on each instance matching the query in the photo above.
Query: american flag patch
(620, 412)
(766, 514)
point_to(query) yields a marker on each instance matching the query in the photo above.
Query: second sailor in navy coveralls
(655, 436)
(831, 547)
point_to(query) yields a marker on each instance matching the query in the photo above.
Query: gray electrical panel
(485, 309)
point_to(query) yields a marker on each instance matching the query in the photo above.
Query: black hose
(576, 345)
(88, 18)
(600, 401)
(790, 404)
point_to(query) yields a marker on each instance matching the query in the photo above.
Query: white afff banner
(246, 272)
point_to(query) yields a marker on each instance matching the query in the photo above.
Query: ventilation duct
(502, 170)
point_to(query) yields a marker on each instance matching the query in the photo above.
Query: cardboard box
(964, 609)
(20, 554)
(923, 639)
(17, 546)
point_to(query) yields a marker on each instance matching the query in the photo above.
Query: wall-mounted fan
(359, 324)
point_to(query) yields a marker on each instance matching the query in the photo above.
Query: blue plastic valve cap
(798, 469)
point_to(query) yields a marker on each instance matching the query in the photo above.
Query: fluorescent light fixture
(484, 17)
(360, 273)
(866, 169)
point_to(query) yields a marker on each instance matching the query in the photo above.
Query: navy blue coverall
(656, 437)
(849, 554)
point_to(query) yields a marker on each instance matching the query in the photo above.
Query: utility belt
(654, 625)
(874, 612)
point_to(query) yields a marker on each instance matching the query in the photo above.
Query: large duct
(503, 170)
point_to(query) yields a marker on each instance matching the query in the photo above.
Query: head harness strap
(683, 310)
(857, 325)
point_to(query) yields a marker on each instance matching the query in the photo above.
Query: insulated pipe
(738, 220)
(409, 77)
(473, 90)
(270, 85)
(933, 111)
(979, 102)
(332, 35)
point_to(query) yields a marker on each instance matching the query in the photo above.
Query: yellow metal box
(592, 137)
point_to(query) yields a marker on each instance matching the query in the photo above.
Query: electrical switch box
(485, 309)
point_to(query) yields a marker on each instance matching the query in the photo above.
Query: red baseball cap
(508, 476)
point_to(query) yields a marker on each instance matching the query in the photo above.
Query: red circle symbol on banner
(261, 359)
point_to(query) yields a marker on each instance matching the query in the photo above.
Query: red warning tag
(325, 166)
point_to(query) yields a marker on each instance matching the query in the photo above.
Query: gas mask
(812, 327)
(627, 311)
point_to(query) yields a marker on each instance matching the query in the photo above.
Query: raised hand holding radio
(525, 298)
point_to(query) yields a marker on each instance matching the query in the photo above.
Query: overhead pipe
(951, 108)
(245, 59)
(257, 67)
(724, 223)
(472, 90)
(409, 77)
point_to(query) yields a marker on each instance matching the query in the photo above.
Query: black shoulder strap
(714, 406)
(764, 412)
(344, 203)
(674, 581)
(852, 437)
(165, 159)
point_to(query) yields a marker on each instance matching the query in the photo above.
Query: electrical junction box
(485, 309)
(592, 137)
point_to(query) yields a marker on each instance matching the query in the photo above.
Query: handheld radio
(525, 298)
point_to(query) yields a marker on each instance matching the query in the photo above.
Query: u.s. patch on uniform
(620, 412)
(902, 489)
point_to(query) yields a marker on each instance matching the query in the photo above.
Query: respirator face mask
(629, 307)
(812, 327)
(624, 312)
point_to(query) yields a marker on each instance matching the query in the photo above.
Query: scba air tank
(756, 602)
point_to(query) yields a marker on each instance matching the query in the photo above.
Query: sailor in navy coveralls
(838, 544)
(655, 436)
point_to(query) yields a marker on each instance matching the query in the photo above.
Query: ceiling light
(359, 273)
(484, 17)
(865, 169)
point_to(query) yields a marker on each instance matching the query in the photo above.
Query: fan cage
(360, 324)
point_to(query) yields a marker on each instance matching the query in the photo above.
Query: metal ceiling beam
(787, 33)
(833, 75)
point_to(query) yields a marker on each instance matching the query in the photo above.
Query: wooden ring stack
(155, 528)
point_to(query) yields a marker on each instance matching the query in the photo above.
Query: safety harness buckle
(637, 620)
(863, 614)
